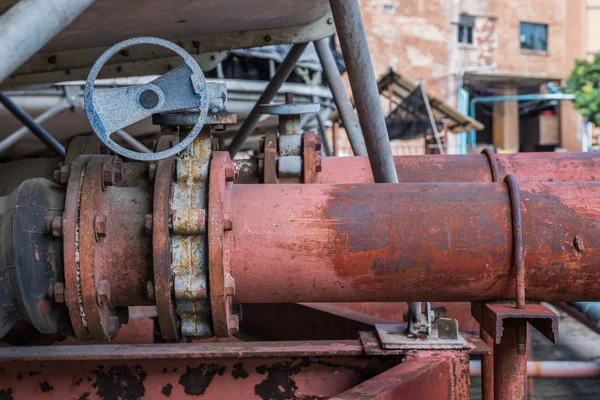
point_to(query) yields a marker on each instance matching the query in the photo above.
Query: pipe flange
(168, 320)
(73, 297)
(222, 284)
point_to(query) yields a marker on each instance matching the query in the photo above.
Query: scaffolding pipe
(32, 125)
(553, 369)
(340, 96)
(281, 75)
(28, 25)
(353, 40)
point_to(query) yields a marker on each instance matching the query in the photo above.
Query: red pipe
(527, 167)
(428, 242)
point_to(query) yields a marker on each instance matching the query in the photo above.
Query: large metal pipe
(32, 125)
(340, 96)
(353, 40)
(28, 25)
(282, 73)
(428, 242)
(527, 167)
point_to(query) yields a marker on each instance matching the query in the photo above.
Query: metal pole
(33, 126)
(324, 142)
(282, 73)
(28, 25)
(133, 142)
(510, 367)
(340, 96)
(349, 24)
(552, 369)
(487, 368)
(436, 134)
(22, 132)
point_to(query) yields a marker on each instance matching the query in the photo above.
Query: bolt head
(56, 226)
(150, 292)
(234, 324)
(231, 172)
(113, 326)
(56, 176)
(100, 226)
(148, 222)
(102, 292)
(111, 172)
(149, 99)
(59, 292)
(65, 171)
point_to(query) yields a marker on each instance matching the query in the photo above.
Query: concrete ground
(576, 343)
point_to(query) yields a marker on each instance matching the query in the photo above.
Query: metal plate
(393, 337)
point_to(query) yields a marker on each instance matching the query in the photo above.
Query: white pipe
(29, 25)
(553, 369)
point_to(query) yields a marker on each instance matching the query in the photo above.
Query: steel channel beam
(251, 121)
(434, 242)
(527, 167)
(32, 125)
(340, 96)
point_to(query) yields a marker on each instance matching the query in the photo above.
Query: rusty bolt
(99, 226)
(152, 171)
(65, 171)
(56, 226)
(113, 326)
(234, 324)
(150, 293)
(231, 172)
(59, 292)
(148, 221)
(103, 292)
(56, 176)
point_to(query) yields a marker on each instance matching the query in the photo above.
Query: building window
(465, 29)
(534, 36)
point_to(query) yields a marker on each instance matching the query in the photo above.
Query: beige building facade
(503, 48)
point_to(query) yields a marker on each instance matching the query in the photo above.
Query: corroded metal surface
(206, 378)
(427, 375)
(438, 242)
(222, 284)
(189, 263)
(527, 167)
(312, 156)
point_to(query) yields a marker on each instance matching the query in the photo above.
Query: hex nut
(113, 326)
(65, 171)
(59, 292)
(148, 223)
(100, 226)
(150, 293)
(56, 226)
(234, 324)
(231, 172)
(103, 292)
(56, 176)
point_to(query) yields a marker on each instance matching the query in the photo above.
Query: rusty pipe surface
(527, 167)
(428, 242)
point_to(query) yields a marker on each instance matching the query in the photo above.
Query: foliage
(584, 83)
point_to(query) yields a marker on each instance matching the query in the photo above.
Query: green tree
(584, 83)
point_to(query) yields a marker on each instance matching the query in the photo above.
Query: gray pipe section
(351, 32)
(28, 25)
(133, 142)
(591, 309)
(326, 149)
(282, 73)
(24, 131)
(340, 96)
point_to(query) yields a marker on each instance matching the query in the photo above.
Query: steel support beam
(281, 75)
(28, 25)
(427, 375)
(340, 96)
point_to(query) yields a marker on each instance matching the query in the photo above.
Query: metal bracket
(444, 335)
(491, 317)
